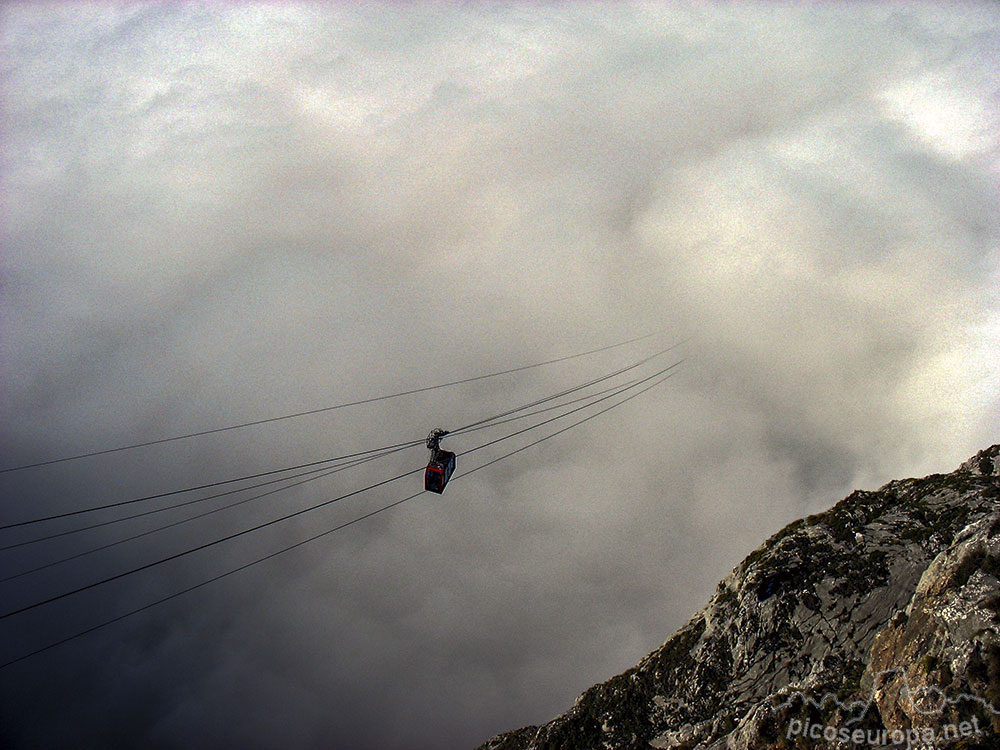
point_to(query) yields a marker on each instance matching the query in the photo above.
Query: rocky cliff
(872, 624)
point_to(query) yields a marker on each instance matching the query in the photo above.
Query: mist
(216, 214)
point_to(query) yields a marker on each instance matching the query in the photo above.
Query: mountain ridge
(892, 593)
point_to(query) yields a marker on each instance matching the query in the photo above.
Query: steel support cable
(200, 547)
(325, 472)
(308, 412)
(321, 474)
(619, 387)
(634, 365)
(206, 486)
(319, 462)
(489, 422)
(302, 511)
(303, 542)
(569, 427)
(585, 406)
(112, 521)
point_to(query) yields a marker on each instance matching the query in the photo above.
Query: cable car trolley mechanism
(441, 465)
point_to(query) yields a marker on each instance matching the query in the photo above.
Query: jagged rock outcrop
(942, 655)
(880, 615)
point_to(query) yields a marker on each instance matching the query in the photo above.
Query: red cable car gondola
(442, 463)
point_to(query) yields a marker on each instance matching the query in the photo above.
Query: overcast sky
(215, 213)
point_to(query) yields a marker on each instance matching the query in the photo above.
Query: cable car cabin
(439, 470)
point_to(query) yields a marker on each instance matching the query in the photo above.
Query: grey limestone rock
(879, 615)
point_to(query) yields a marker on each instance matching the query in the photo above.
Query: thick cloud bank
(217, 213)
